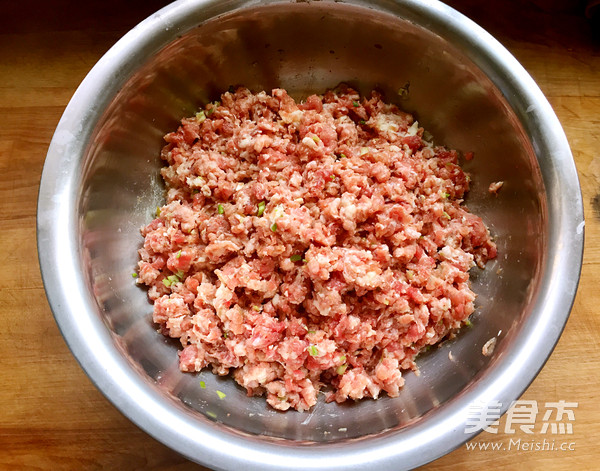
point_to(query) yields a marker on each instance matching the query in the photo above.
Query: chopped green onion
(221, 394)
(157, 212)
(468, 323)
(200, 116)
(261, 208)
(311, 332)
(313, 351)
(213, 108)
(225, 334)
(180, 274)
(332, 176)
(304, 260)
(178, 254)
(403, 91)
(316, 139)
(410, 274)
(256, 308)
(445, 195)
(362, 121)
(342, 358)
(342, 156)
(296, 258)
(355, 104)
(446, 215)
(274, 227)
(220, 209)
(386, 302)
(211, 414)
(135, 275)
(202, 384)
(166, 282)
(341, 369)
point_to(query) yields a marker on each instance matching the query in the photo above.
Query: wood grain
(53, 418)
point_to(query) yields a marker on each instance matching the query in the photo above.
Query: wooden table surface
(51, 415)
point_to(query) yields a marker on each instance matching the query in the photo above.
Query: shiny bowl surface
(101, 183)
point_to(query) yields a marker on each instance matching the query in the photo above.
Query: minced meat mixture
(309, 246)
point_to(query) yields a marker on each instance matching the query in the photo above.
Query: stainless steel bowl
(101, 183)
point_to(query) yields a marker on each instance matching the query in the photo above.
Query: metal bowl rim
(218, 447)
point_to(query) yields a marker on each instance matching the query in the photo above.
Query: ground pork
(306, 247)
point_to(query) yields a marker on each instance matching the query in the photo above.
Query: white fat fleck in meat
(413, 129)
(310, 143)
(195, 182)
(389, 124)
(294, 117)
(488, 347)
(245, 142)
